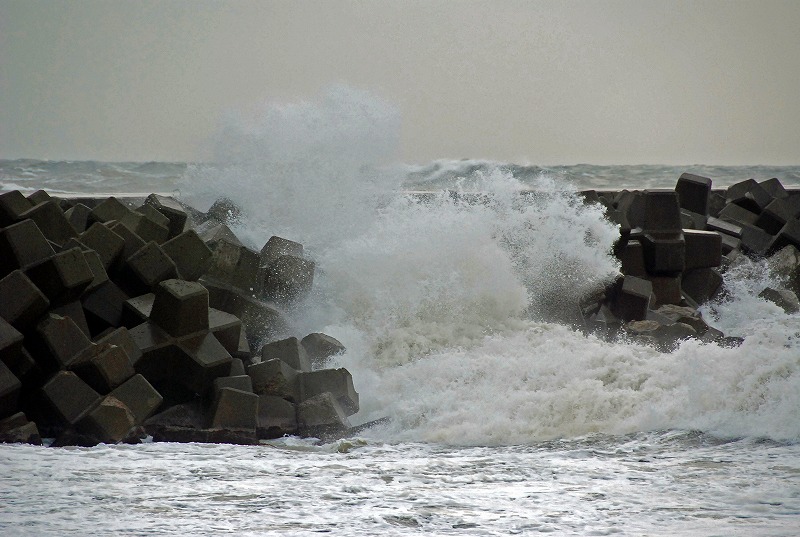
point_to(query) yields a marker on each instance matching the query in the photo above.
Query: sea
(502, 418)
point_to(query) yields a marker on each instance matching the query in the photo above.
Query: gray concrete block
(321, 347)
(133, 242)
(104, 368)
(237, 369)
(50, 220)
(144, 227)
(693, 191)
(21, 246)
(234, 409)
(78, 217)
(774, 216)
(105, 242)
(289, 279)
(278, 246)
(100, 276)
(227, 328)
(172, 209)
(703, 249)
(121, 337)
(276, 417)
(108, 210)
(666, 289)
(737, 215)
(12, 205)
(148, 267)
(274, 377)
(748, 194)
(190, 254)
(201, 359)
(632, 300)
(290, 351)
(338, 382)
(104, 307)
(60, 342)
(74, 311)
(136, 310)
(755, 241)
(109, 422)
(21, 302)
(10, 387)
(321, 416)
(788, 235)
(701, 284)
(774, 188)
(139, 396)
(783, 298)
(664, 253)
(662, 212)
(785, 264)
(69, 398)
(180, 307)
(224, 210)
(238, 382)
(63, 277)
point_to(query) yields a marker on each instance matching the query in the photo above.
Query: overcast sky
(542, 82)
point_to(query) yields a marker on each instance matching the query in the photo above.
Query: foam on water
(447, 303)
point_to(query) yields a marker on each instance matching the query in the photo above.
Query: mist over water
(450, 305)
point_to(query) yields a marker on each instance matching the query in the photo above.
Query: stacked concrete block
(74, 271)
(321, 347)
(321, 416)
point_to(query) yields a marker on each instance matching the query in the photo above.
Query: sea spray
(446, 301)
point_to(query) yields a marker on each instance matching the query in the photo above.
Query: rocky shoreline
(122, 319)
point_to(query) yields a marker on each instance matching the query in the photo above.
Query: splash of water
(446, 302)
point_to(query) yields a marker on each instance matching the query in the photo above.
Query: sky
(531, 82)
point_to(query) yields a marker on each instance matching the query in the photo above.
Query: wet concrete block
(260, 320)
(234, 409)
(144, 227)
(632, 259)
(136, 310)
(121, 337)
(78, 217)
(703, 249)
(274, 377)
(213, 231)
(321, 416)
(290, 351)
(21, 302)
(68, 397)
(104, 307)
(289, 279)
(108, 210)
(170, 208)
(133, 242)
(701, 284)
(725, 227)
(238, 382)
(180, 307)
(201, 359)
(104, 368)
(105, 242)
(661, 211)
(666, 289)
(716, 202)
(109, 422)
(788, 235)
(690, 220)
(632, 300)
(338, 382)
(10, 387)
(39, 196)
(100, 276)
(190, 254)
(748, 194)
(148, 267)
(276, 417)
(227, 328)
(60, 342)
(785, 264)
(63, 277)
(12, 205)
(237, 369)
(774, 188)
(755, 241)
(50, 220)
(234, 264)
(21, 246)
(225, 211)
(74, 311)
(774, 216)
(278, 246)
(665, 338)
(139, 396)
(150, 212)
(783, 298)
(693, 191)
(10, 341)
(22, 364)
(737, 215)
(321, 347)
(25, 433)
(664, 253)
(158, 356)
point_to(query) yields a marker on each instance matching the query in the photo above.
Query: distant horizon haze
(540, 82)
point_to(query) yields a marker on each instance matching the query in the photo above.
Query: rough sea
(502, 420)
